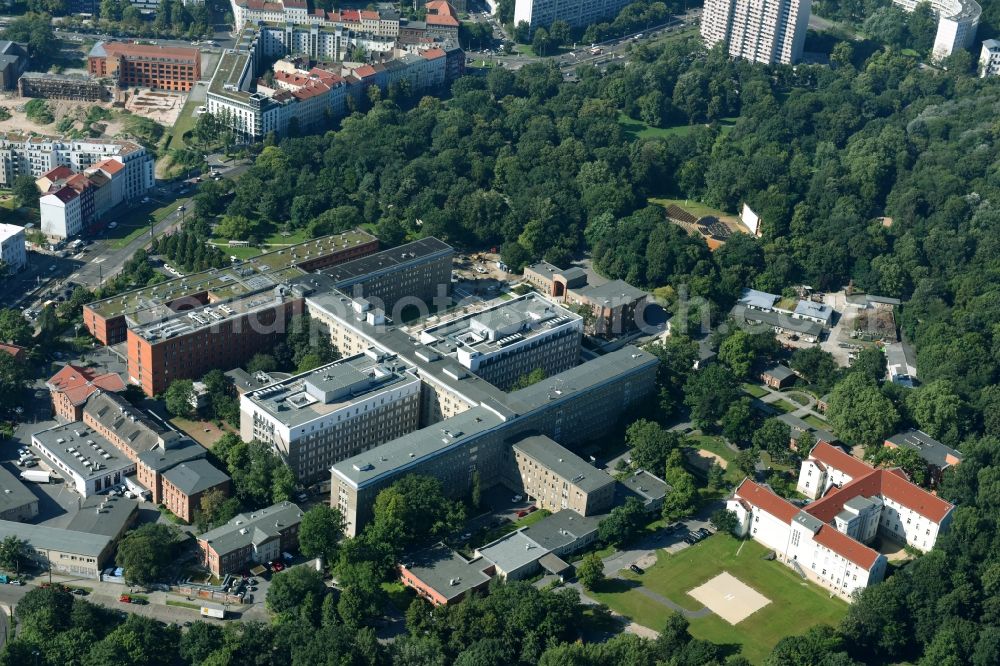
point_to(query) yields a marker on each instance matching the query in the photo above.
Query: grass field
(783, 406)
(183, 604)
(185, 122)
(640, 130)
(248, 252)
(795, 604)
(798, 398)
(754, 390)
(136, 222)
(816, 422)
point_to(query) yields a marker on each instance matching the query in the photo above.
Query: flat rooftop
(491, 330)
(417, 447)
(226, 80)
(512, 551)
(646, 486)
(13, 493)
(330, 388)
(106, 515)
(612, 293)
(416, 252)
(563, 528)
(230, 281)
(446, 572)
(82, 450)
(564, 463)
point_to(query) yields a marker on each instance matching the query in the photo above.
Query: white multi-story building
(61, 213)
(828, 540)
(989, 58)
(958, 21)
(577, 13)
(12, 251)
(336, 411)
(21, 154)
(765, 31)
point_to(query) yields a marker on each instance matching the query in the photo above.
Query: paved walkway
(659, 598)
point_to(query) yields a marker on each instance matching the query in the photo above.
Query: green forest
(543, 168)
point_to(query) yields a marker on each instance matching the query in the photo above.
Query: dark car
(704, 532)
(689, 540)
(635, 568)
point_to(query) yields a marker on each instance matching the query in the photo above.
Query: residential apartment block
(260, 536)
(989, 58)
(555, 478)
(828, 540)
(239, 99)
(577, 13)
(145, 65)
(336, 411)
(765, 31)
(508, 341)
(71, 203)
(13, 252)
(958, 21)
(22, 154)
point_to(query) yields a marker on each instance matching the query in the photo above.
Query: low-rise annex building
(256, 537)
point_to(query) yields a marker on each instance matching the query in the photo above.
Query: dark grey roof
(564, 463)
(931, 450)
(44, 538)
(615, 292)
(512, 551)
(397, 259)
(252, 529)
(646, 486)
(446, 572)
(797, 424)
(13, 493)
(160, 460)
(770, 318)
(139, 432)
(563, 528)
(417, 447)
(553, 563)
(195, 476)
(107, 515)
(810, 522)
(779, 372)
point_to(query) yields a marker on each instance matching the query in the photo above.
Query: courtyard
(768, 600)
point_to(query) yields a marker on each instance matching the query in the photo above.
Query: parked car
(516, 498)
(80, 592)
(15, 582)
(704, 532)
(635, 568)
(689, 540)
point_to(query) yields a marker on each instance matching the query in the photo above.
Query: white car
(113, 225)
(516, 498)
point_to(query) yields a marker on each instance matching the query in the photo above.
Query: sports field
(794, 606)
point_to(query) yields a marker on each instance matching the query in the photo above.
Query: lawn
(711, 443)
(816, 422)
(205, 433)
(399, 595)
(247, 252)
(185, 122)
(136, 222)
(696, 208)
(20, 216)
(183, 604)
(783, 405)
(640, 130)
(795, 604)
(754, 390)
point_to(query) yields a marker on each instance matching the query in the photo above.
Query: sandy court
(703, 459)
(729, 598)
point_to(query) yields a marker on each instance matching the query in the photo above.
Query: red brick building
(146, 65)
(184, 485)
(261, 536)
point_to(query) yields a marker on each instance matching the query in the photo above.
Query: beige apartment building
(556, 478)
(765, 31)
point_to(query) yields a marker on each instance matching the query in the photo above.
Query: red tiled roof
(57, 173)
(111, 166)
(433, 54)
(897, 488)
(313, 90)
(16, 351)
(888, 483)
(765, 499)
(78, 383)
(364, 71)
(65, 194)
(828, 507)
(350, 15)
(440, 12)
(369, 15)
(837, 459)
(79, 182)
(846, 547)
